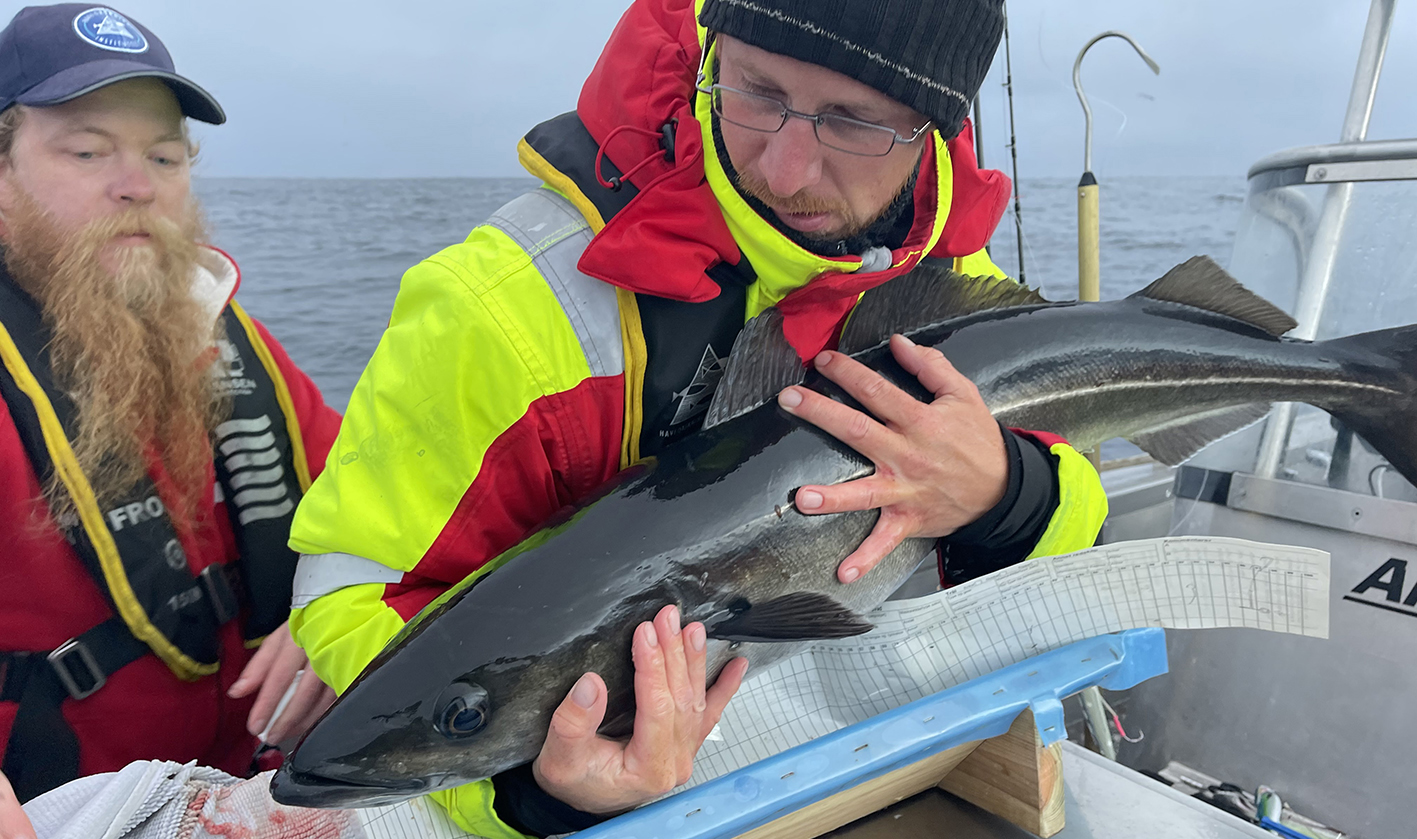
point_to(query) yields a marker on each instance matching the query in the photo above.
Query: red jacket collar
(664, 239)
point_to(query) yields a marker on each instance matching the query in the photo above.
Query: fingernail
(906, 339)
(674, 619)
(809, 500)
(583, 694)
(789, 398)
(257, 727)
(850, 575)
(651, 635)
(823, 359)
(697, 638)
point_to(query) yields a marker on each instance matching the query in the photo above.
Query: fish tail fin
(1389, 425)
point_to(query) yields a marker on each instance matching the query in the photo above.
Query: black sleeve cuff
(527, 808)
(1008, 532)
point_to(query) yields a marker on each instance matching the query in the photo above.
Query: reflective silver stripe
(320, 574)
(243, 426)
(247, 497)
(246, 444)
(555, 235)
(242, 461)
(264, 512)
(263, 476)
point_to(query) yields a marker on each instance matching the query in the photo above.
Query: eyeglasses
(769, 115)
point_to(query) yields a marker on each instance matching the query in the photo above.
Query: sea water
(321, 260)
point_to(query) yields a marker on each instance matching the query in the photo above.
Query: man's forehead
(831, 86)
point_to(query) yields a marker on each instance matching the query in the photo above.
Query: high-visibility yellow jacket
(529, 364)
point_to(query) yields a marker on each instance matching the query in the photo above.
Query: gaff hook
(1082, 97)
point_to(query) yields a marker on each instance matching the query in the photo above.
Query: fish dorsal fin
(761, 364)
(930, 294)
(1199, 282)
(799, 616)
(1173, 443)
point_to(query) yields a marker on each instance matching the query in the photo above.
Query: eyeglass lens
(763, 113)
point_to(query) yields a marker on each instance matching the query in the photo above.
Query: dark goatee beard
(130, 345)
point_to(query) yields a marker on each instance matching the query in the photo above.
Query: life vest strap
(43, 751)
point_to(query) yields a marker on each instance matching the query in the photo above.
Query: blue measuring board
(976, 710)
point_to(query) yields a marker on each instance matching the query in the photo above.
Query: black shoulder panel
(567, 145)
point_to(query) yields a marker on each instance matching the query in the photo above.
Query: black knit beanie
(931, 55)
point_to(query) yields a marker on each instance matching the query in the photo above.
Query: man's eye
(85, 155)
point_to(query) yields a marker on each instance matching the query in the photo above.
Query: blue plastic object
(1289, 833)
(981, 708)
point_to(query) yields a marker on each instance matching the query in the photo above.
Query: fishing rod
(978, 134)
(1013, 143)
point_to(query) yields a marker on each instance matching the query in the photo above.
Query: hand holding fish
(674, 712)
(14, 824)
(939, 466)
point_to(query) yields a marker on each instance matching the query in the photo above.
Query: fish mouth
(294, 788)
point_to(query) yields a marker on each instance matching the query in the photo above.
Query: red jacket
(144, 712)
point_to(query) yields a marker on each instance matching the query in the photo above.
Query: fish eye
(462, 710)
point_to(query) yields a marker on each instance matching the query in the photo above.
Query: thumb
(577, 717)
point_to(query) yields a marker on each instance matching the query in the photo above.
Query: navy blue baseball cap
(52, 54)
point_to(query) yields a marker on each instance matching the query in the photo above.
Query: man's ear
(7, 193)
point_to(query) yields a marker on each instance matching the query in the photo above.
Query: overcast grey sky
(438, 88)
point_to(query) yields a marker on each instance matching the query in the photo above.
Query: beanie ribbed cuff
(931, 55)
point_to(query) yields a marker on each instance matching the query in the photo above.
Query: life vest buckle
(59, 660)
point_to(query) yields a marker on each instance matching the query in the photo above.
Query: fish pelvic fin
(1201, 283)
(761, 364)
(1174, 442)
(799, 616)
(930, 294)
(1388, 424)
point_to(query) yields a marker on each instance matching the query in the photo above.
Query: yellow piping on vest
(287, 406)
(67, 467)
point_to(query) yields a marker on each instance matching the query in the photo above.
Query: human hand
(272, 669)
(939, 466)
(673, 714)
(14, 824)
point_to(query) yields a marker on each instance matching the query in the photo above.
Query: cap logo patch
(106, 29)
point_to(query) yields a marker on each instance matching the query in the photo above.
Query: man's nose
(792, 160)
(132, 183)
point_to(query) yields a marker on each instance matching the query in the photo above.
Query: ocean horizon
(321, 258)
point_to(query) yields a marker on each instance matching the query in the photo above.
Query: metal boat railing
(1318, 271)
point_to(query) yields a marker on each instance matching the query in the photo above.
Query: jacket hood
(638, 105)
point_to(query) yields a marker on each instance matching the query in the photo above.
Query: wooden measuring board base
(1012, 776)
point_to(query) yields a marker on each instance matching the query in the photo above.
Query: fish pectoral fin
(761, 364)
(1174, 442)
(1199, 282)
(800, 616)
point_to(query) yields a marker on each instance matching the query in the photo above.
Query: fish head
(400, 732)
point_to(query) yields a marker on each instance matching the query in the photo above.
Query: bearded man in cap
(725, 156)
(140, 567)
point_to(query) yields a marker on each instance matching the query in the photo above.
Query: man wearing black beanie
(726, 156)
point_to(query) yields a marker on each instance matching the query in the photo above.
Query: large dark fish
(467, 689)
